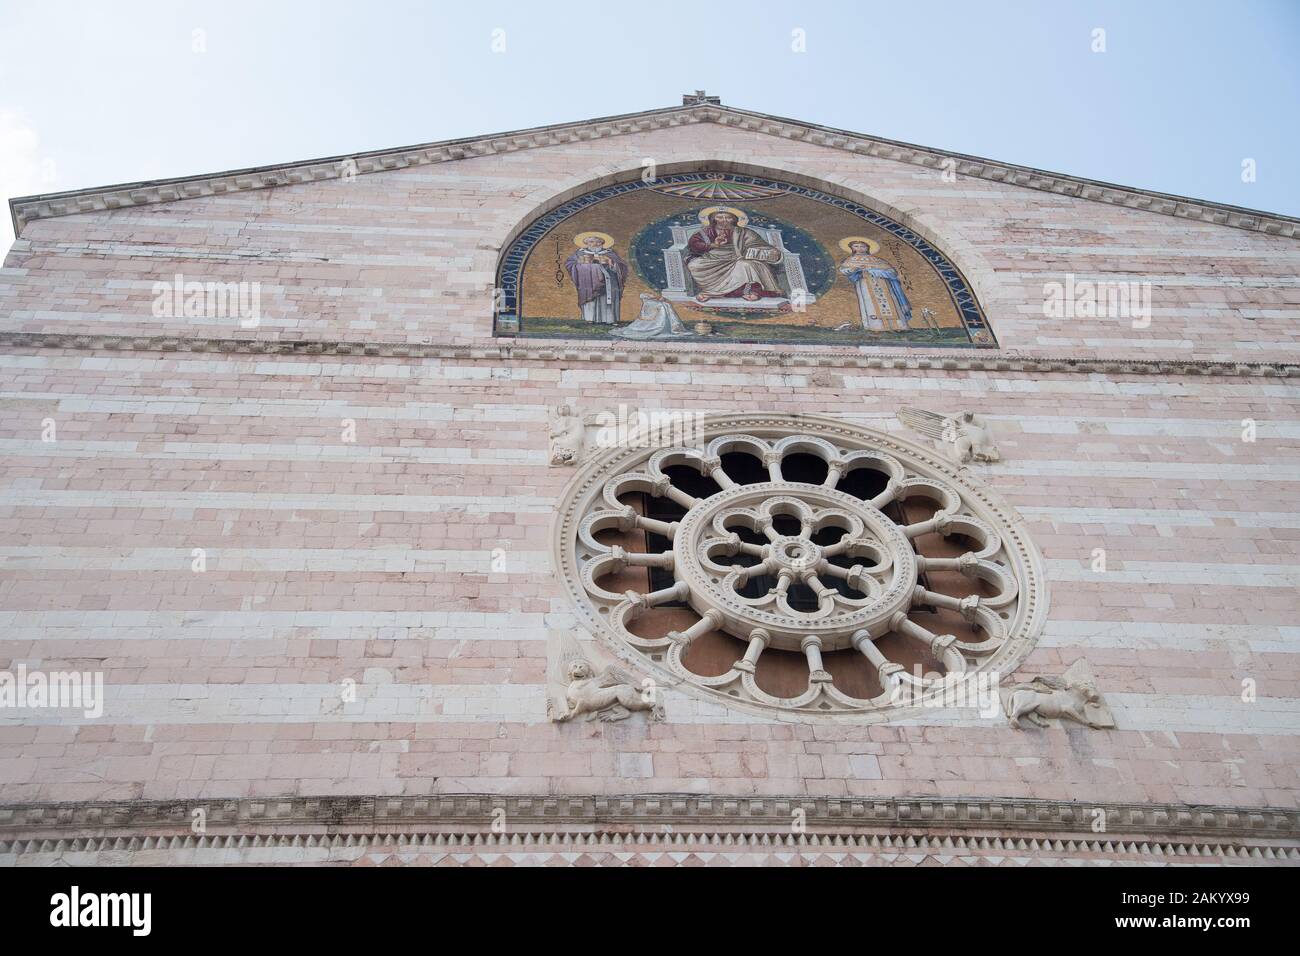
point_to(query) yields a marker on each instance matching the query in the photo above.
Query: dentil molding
(470, 817)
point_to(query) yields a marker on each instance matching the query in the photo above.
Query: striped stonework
(312, 559)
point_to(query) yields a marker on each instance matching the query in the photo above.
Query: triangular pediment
(696, 109)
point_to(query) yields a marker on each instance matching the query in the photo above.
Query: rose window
(802, 565)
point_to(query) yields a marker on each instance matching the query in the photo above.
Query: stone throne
(789, 271)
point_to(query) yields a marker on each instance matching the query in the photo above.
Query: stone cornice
(869, 848)
(25, 209)
(469, 818)
(500, 351)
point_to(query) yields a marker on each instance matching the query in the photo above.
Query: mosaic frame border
(508, 320)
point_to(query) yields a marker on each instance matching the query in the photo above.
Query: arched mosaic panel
(723, 257)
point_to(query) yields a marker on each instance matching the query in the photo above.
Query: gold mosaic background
(622, 217)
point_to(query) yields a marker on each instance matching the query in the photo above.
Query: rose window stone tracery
(798, 565)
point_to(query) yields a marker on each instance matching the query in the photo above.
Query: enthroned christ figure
(729, 261)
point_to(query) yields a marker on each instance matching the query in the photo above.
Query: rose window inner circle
(881, 570)
(800, 564)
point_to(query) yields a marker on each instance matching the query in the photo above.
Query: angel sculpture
(1074, 695)
(567, 432)
(609, 695)
(965, 436)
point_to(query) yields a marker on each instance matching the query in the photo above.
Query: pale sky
(93, 93)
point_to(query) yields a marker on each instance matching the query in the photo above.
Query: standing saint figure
(729, 260)
(881, 299)
(598, 273)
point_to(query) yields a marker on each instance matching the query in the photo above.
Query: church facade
(686, 487)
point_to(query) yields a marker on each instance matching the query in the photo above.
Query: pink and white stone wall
(370, 560)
